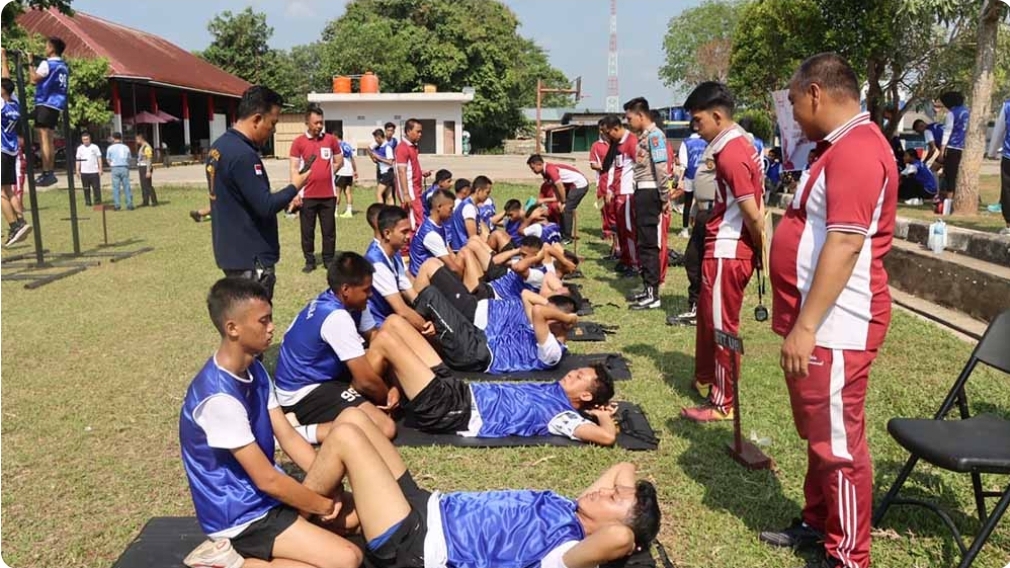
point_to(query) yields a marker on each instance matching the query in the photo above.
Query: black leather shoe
(796, 535)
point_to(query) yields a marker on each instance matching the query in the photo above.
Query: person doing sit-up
(392, 291)
(408, 527)
(465, 221)
(431, 240)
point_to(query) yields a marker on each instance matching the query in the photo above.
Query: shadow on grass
(677, 368)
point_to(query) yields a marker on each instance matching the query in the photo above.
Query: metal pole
(539, 102)
(40, 259)
(68, 141)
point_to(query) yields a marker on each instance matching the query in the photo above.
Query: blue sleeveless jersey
(551, 234)
(456, 227)
(759, 147)
(224, 495)
(9, 116)
(1006, 138)
(936, 129)
(511, 285)
(377, 304)
(305, 357)
(518, 409)
(924, 176)
(695, 149)
(512, 228)
(510, 338)
(418, 252)
(957, 133)
(426, 199)
(505, 529)
(485, 211)
(51, 91)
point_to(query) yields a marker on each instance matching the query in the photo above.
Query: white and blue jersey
(51, 90)
(511, 285)
(512, 228)
(759, 147)
(426, 198)
(428, 242)
(516, 529)
(224, 495)
(389, 277)
(9, 116)
(960, 128)
(549, 233)
(521, 409)
(317, 345)
(512, 342)
(456, 229)
(695, 148)
(924, 176)
(1006, 129)
(934, 133)
(384, 151)
(485, 211)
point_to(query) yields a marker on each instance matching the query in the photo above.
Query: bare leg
(473, 271)
(400, 351)
(381, 420)
(498, 240)
(305, 544)
(423, 278)
(46, 140)
(380, 194)
(408, 336)
(7, 206)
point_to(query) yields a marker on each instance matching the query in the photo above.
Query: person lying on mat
(323, 367)
(432, 240)
(408, 527)
(496, 336)
(392, 290)
(227, 429)
(483, 265)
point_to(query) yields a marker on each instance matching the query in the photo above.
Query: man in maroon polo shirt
(319, 197)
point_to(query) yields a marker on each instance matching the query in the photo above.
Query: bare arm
(608, 543)
(453, 262)
(291, 442)
(557, 252)
(604, 433)
(400, 307)
(471, 227)
(279, 485)
(293, 167)
(621, 474)
(523, 265)
(338, 161)
(401, 176)
(562, 193)
(543, 315)
(366, 381)
(753, 219)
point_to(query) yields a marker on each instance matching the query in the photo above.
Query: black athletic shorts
(387, 179)
(442, 407)
(455, 291)
(46, 117)
(405, 547)
(8, 170)
(462, 344)
(257, 540)
(344, 182)
(494, 271)
(326, 402)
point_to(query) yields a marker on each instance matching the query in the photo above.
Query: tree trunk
(874, 93)
(966, 192)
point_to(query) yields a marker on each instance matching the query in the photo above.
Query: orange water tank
(341, 84)
(369, 83)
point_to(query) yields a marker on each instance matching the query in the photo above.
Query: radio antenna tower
(613, 103)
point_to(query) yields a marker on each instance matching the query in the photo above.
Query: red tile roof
(132, 54)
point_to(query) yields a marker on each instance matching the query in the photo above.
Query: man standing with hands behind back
(409, 177)
(832, 305)
(243, 209)
(320, 196)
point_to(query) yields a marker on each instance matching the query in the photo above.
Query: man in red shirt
(570, 186)
(832, 305)
(604, 168)
(733, 244)
(319, 198)
(409, 177)
(622, 187)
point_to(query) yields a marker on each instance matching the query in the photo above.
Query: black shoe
(824, 562)
(648, 302)
(196, 216)
(637, 296)
(679, 321)
(623, 268)
(796, 535)
(631, 273)
(309, 267)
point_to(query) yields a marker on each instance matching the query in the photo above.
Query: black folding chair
(973, 445)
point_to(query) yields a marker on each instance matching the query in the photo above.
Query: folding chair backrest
(994, 348)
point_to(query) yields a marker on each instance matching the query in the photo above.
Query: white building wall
(360, 118)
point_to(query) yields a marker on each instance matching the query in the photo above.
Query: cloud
(300, 9)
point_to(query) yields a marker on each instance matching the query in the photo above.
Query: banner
(795, 146)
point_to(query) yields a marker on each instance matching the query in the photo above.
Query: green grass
(96, 365)
(984, 221)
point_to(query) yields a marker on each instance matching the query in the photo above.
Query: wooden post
(539, 102)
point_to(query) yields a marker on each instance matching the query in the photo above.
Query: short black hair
(312, 109)
(379, 132)
(637, 104)
(710, 95)
(572, 257)
(85, 133)
(442, 175)
(952, 99)
(747, 123)
(372, 214)
(512, 205)
(7, 85)
(139, 134)
(603, 390)
(58, 44)
(535, 159)
(117, 135)
(440, 195)
(645, 515)
(411, 124)
(228, 292)
(564, 303)
(480, 182)
(918, 122)
(258, 100)
(531, 241)
(348, 268)
(461, 184)
(829, 70)
(911, 152)
(389, 125)
(389, 216)
(611, 121)
(656, 116)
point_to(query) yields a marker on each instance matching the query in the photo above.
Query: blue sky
(574, 33)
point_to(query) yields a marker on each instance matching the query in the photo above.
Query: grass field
(95, 368)
(984, 221)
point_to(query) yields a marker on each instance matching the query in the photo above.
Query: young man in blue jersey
(381, 153)
(538, 225)
(932, 133)
(443, 181)
(52, 80)
(999, 149)
(323, 367)
(465, 222)
(10, 115)
(917, 182)
(955, 129)
(405, 526)
(432, 240)
(227, 427)
(485, 265)
(392, 291)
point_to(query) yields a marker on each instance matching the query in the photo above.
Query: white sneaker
(685, 233)
(214, 554)
(913, 201)
(1005, 232)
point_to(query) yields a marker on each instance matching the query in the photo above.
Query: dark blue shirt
(243, 210)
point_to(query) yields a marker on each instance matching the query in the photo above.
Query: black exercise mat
(635, 433)
(591, 331)
(616, 364)
(162, 543)
(585, 308)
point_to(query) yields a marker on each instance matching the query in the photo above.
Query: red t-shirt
(406, 155)
(325, 147)
(624, 165)
(597, 153)
(852, 187)
(738, 178)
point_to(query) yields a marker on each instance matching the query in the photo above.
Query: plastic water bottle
(948, 205)
(937, 241)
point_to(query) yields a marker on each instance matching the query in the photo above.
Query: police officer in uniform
(704, 198)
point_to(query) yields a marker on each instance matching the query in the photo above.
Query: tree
(451, 44)
(966, 190)
(13, 9)
(698, 43)
(240, 45)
